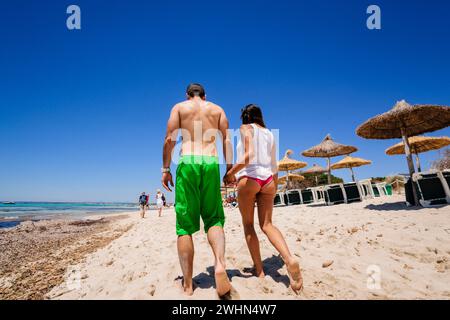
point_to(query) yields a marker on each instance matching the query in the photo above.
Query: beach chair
(352, 192)
(431, 189)
(409, 191)
(294, 197)
(445, 178)
(365, 188)
(307, 196)
(379, 189)
(334, 194)
(279, 200)
(388, 188)
(317, 193)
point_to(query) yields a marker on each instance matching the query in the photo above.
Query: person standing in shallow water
(257, 173)
(198, 181)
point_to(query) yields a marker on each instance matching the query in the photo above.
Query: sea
(15, 213)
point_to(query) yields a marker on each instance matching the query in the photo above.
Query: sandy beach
(376, 249)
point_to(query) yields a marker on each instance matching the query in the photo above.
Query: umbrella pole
(317, 181)
(353, 174)
(418, 163)
(287, 180)
(410, 164)
(329, 170)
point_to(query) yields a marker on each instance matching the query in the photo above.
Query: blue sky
(83, 113)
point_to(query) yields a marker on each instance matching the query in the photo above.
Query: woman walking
(159, 202)
(256, 172)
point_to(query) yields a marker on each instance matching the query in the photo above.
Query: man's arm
(226, 141)
(169, 143)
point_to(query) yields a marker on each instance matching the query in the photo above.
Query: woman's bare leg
(265, 208)
(247, 190)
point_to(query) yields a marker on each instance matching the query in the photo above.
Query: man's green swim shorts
(197, 194)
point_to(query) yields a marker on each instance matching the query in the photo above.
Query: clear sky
(83, 113)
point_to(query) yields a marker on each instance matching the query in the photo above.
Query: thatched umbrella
(418, 145)
(290, 177)
(315, 170)
(403, 121)
(328, 149)
(287, 164)
(350, 163)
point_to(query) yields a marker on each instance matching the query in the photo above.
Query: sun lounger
(365, 188)
(431, 189)
(307, 196)
(409, 191)
(279, 200)
(379, 189)
(388, 188)
(317, 193)
(352, 192)
(445, 177)
(294, 197)
(334, 194)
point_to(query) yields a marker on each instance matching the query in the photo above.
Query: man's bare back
(200, 123)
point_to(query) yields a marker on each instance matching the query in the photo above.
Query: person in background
(163, 197)
(159, 202)
(143, 200)
(147, 206)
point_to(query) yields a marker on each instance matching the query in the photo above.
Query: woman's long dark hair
(252, 114)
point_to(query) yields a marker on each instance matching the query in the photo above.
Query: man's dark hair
(195, 90)
(252, 114)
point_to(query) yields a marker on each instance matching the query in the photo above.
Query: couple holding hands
(198, 185)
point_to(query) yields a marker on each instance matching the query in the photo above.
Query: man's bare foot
(223, 285)
(293, 268)
(188, 289)
(260, 273)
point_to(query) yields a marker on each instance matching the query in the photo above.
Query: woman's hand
(229, 179)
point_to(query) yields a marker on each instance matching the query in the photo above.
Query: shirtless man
(198, 180)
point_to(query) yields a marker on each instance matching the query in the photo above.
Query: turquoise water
(21, 211)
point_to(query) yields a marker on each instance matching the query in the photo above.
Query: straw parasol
(287, 164)
(328, 149)
(403, 121)
(290, 177)
(350, 163)
(315, 170)
(418, 145)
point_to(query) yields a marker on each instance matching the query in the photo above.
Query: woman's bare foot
(295, 275)
(223, 285)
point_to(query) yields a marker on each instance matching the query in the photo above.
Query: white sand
(408, 249)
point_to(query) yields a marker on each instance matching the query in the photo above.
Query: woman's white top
(261, 164)
(159, 197)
